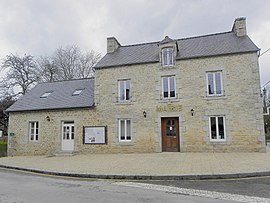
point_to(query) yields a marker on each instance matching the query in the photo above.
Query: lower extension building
(198, 94)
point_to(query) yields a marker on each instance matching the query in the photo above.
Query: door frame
(72, 143)
(163, 125)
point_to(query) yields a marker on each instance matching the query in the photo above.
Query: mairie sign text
(169, 108)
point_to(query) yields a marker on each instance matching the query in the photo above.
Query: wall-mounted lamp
(144, 114)
(192, 112)
(48, 118)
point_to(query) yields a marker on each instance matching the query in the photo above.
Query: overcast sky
(38, 27)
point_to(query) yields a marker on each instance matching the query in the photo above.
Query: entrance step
(64, 153)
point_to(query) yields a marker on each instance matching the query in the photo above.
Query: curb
(142, 177)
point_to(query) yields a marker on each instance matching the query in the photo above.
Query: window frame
(169, 88)
(214, 83)
(217, 129)
(36, 131)
(125, 129)
(165, 54)
(77, 92)
(46, 94)
(125, 88)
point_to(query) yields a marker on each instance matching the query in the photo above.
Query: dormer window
(167, 56)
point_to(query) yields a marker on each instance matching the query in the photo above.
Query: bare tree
(48, 70)
(66, 60)
(68, 63)
(86, 64)
(21, 73)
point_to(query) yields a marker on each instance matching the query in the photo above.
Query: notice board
(94, 135)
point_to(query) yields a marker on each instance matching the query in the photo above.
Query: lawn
(3, 148)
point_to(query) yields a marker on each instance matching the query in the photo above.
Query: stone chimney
(239, 27)
(112, 44)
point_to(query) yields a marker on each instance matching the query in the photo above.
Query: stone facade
(140, 118)
(241, 105)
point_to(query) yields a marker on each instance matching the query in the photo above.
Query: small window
(77, 92)
(124, 130)
(124, 90)
(45, 95)
(168, 87)
(217, 128)
(33, 131)
(167, 56)
(214, 84)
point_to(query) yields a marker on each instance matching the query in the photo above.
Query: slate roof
(60, 98)
(194, 47)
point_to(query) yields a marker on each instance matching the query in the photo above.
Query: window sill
(218, 142)
(124, 103)
(169, 100)
(126, 143)
(33, 141)
(215, 97)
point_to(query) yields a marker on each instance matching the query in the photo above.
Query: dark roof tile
(60, 98)
(202, 46)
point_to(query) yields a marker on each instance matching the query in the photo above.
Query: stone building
(198, 94)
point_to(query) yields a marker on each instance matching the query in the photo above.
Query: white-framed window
(124, 90)
(167, 56)
(168, 87)
(124, 129)
(33, 130)
(217, 128)
(214, 84)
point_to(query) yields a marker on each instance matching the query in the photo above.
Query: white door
(68, 136)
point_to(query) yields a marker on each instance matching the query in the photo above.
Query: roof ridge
(185, 38)
(67, 80)
(207, 35)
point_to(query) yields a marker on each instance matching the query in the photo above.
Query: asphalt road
(258, 186)
(21, 187)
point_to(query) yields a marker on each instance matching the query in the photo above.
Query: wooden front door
(170, 134)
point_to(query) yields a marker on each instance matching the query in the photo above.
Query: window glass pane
(122, 130)
(36, 131)
(32, 131)
(210, 83)
(221, 128)
(32, 137)
(213, 128)
(121, 90)
(72, 132)
(36, 124)
(127, 89)
(172, 87)
(36, 136)
(165, 87)
(32, 124)
(170, 56)
(68, 132)
(164, 57)
(218, 83)
(128, 130)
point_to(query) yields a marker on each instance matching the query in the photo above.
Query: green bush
(3, 148)
(3, 142)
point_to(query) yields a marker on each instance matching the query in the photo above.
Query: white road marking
(199, 193)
